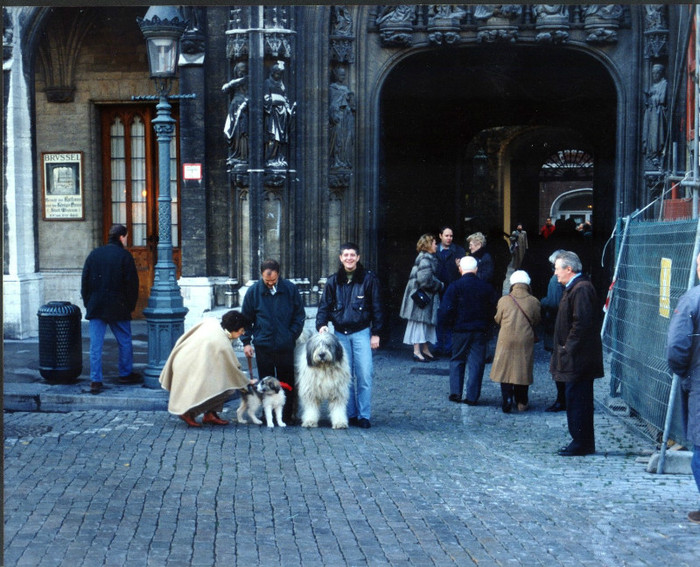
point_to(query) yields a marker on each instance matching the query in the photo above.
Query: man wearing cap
(467, 309)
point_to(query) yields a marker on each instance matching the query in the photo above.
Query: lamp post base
(165, 327)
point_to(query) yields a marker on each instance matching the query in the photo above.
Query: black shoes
(419, 359)
(572, 451)
(507, 405)
(454, 398)
(133, 378)
(96, 387)
(469, 402)
(362, 423)
(556, 406)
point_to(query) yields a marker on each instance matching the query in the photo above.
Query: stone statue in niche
(551, 22)
(342, 121)
(654, 129)
(278, 117)
(236, 127)
(396, 24)
(341, 21)
(601, 22)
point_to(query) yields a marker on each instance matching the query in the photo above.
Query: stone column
(22, 284)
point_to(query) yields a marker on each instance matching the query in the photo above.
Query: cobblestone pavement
(431, 483)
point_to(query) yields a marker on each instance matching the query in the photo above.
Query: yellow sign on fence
(665, 288)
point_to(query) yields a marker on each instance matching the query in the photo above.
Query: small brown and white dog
(269, 395)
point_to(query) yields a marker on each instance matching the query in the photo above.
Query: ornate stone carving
(7, 36)
(655, 31)
(497, 22)
(277, 44)
(236, 45)
(601, 22)
(551, 23)
(396, 24)
(275, 178)
(342, 40)
(59, 51)
(279, 113)
(443, 23)
(192, 42)
(236, 126)
(339, 180)
(655, 120)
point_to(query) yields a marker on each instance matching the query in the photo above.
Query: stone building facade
(313, 125)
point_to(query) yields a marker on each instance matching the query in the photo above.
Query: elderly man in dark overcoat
(577, 356)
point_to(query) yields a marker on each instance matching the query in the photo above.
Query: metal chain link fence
(654, 264)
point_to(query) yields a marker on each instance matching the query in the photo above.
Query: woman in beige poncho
(202, 371)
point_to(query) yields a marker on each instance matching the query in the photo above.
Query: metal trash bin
(60, 342)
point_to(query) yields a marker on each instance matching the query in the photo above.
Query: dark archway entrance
(435, 106)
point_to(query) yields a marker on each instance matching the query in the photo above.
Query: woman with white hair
(518, 313)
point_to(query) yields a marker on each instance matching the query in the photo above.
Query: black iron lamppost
(162, 27)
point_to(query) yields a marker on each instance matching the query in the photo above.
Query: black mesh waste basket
(60, 342)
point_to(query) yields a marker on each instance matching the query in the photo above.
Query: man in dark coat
(467, 309)
(683, 354)
(577, 356)
(275, 307)
(448, 254)
(110, 288)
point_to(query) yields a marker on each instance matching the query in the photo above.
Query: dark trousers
(561, 393)
(517, 392)
(279, 364)
(579, 414)
(469, 346)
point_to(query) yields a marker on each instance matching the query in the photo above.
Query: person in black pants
(276, 310)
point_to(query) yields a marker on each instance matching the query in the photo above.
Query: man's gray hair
(571, 260)
(554, 255)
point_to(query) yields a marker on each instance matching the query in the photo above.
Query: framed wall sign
(62, 181)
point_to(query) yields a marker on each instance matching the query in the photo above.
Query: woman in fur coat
(420, 329)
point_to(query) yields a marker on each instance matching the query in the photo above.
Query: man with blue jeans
(110, 289)
(352, 302)
(467, 308)
(683, 353)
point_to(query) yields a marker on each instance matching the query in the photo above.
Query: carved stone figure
(236, 127)
(278, 117)
(396, 24)
(342, 121)
(497, 22)
(551, 22)
(341, 21)
(654, 130)
(443, 22)
(601, 22)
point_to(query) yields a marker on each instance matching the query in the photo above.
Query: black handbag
(420, 298)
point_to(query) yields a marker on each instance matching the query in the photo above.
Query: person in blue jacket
(683, 354)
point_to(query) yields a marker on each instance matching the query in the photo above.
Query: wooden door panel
(144, 266)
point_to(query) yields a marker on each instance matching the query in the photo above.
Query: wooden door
(130, 185)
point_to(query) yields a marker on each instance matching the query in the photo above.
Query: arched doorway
(435, 107)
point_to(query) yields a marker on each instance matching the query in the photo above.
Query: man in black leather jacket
(351, 301)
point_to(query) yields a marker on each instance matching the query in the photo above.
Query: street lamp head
(162, 26)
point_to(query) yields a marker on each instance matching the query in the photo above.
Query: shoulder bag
(537, 339)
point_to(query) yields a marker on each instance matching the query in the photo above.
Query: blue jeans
(122, 332)
(695, 464)
(357, 347)
(468, 345)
